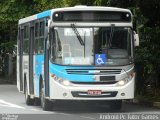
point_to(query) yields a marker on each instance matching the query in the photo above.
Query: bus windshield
(113, 42)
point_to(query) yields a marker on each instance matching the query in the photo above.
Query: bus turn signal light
(52, 75)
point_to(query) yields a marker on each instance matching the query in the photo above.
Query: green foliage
(150, 9)
(149, 47)
(78, 2)
(8, 46)
(41, 5)
(12, 10)
(147, 24)
(115, 3)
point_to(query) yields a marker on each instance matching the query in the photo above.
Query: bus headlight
(126, 80)
(122, 82)
(66, 83)
(61, 81)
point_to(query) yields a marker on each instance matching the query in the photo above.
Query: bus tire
(45, 103)
(28, 100)
(116, 104)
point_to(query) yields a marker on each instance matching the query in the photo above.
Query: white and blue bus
(77, 53)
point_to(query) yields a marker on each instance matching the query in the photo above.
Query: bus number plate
(94, 92)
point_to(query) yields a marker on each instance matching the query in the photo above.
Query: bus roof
(48, 13)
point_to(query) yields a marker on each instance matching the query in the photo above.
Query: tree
(148, 53)
(150, 10)
(78, 2)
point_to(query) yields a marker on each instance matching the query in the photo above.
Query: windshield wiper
(77, 34)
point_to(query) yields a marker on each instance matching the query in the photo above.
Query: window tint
(41, 33)
(39, 37)
(36, 29)
(26, 32)
(26, 40)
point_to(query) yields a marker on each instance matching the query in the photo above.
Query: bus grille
(95, 83)
(93, 71)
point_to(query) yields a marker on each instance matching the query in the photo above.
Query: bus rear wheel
(28, 100)
(45, 103)
(116, 104)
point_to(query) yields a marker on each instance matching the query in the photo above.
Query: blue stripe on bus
(60, 71)
(39, 60)
(44, 14)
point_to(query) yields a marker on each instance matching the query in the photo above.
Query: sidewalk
(144, 103)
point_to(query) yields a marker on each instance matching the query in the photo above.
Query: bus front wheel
(45, 103)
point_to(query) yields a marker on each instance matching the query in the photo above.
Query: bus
(81, 53)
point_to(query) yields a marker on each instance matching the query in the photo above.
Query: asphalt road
(12, 105)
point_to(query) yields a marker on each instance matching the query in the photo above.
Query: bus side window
(36, 37)
(41, 37)
(26, 40)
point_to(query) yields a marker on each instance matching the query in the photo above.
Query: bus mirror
(49, 23)
(136, 39)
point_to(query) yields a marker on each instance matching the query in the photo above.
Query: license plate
(94, 92)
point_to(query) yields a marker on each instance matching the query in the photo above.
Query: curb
(144, 102)
(156, 104)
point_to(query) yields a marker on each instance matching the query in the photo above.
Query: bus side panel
(18, 79)
(38, 70)
(20, 82)
(18, 59)
(25, 68)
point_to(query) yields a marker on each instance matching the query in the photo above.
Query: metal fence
(7, 68)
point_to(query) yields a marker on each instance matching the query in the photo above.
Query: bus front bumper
(81, 92)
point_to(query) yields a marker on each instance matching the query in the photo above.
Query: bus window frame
(39, 36)
(25, 39)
